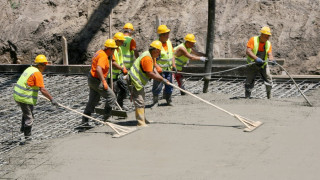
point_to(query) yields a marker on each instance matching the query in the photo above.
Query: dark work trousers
(157, 85)
(97, 90)
(252, 71)
(27, 118)
(120, 92)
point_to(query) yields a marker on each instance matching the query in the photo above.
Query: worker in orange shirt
(26, 94)
(183, 53)
(118, 69)
(259, 50)
(129, 50)
(142, 70)
(97, 82)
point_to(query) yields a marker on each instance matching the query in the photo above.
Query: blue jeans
(157, 86)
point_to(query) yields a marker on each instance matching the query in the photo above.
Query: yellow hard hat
(156, 44)
(128, 26)
(265, 30)
(190, 38)
(110, 43)
(119, 36)
(163, 29)
(41, 59)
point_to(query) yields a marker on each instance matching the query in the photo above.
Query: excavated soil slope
(31, 27)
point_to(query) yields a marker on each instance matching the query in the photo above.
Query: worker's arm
(46, 93)
(197, 53)
(136, 53)
(100, 75)
(270, 56)
(181, 51)
(250, 53)
(116, 65)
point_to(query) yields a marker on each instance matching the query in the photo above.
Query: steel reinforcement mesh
(72, 91)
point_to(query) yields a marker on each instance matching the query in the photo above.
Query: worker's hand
(259, 61)
(203, 59)
(124, 70)
(165, 81)
(54, 102)
(159, 69)
(274, 62)
(105, 85)
(174, 69)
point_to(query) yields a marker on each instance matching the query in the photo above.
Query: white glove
(203, 59)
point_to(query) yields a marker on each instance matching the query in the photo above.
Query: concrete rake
(250, 125)
(120, 130)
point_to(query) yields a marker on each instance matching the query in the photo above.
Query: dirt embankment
(32, 27)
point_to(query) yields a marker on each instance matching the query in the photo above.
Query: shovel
(250, 125)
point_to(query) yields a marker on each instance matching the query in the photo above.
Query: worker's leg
(94, 98)
(180, 80)
(168, 89)
(266, 76)
(138, 99)
(249, 83)
(110, 100)
(156, 90)
(121, 93)
(27, 113)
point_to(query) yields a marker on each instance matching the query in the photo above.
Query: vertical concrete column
(65, 51)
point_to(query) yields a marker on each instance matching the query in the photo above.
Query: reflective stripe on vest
(139, 78)
(119, 60)
(165, 60)
(255, 51)
(128, 56)
(181, 60)
(24, 93)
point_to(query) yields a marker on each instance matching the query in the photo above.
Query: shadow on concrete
(78, 47)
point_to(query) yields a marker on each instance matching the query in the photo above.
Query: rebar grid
(72, 91)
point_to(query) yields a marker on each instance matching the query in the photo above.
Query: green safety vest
(24, 93)
(181, 60)
(119, 60)
(128, 56)
(138, 77)
(165, 60)
(255, 51)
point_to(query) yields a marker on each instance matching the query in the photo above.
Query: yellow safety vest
(255, 51)
(128, 56)
(138, 77)
(119, 60)
(22, 91)
(181, 60)
(165, 60)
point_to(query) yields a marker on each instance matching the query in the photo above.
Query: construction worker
(259, 50)
(118, 68)
(97, 82)
(140, 73)
(167, 62)
(26, 93)
(183, 53)
(130, 53)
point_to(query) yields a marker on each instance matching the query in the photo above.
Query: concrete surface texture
(31, 27)
(193, 140)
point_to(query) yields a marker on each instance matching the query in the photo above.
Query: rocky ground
(31, 27)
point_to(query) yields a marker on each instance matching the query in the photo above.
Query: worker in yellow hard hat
(167, 62)
(183, 53)
(129, 49)
(140, 73)
(26, 93)
(119, 69)
(97, 82)
(259, 51)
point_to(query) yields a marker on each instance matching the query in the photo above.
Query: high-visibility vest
(128, 56)
(181, 60)
(139, 77)
(119, 60)
(165, 60)
(255, 51)
(22, 91)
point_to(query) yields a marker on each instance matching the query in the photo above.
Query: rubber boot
(155, 99)
(27, 135)
(182, 93)
(168, 99)
(268, 89)
(85, 120)
(247, 94)
(140, 117)
(22, 125)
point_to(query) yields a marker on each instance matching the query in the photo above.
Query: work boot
(27, 135)
(155, 99)
(269, 95)
(247, 94)
(182, 93)
(85, 120)
(168, 99)
(140, 117)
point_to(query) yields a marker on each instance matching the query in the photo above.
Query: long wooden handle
(200, 99)
(295, 84)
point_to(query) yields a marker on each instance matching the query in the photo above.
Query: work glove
(274, 62)
(54, 102)
(105, 85)
(124, 70)
(165, 81)
(259, 61)
(203, 59)
(174, 69)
